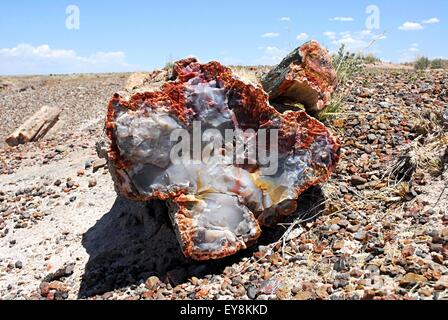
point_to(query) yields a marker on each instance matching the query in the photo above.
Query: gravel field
(82, 98)
(377, 230)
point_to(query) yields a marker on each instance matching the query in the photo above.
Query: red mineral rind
(187, 235)
(296, 130)
(172, 97)
(306, 130)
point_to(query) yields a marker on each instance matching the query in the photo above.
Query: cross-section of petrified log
(305, 76)
(35, 127)
(216, 206)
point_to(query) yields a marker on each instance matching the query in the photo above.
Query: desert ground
(377, 230)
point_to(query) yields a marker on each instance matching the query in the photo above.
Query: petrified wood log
(216, 207)
(35, 127)
(305, 76)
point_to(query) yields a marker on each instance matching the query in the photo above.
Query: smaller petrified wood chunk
(36, 127)
(305, 76)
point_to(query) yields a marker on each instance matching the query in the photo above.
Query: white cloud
(414, 47)
(28, 59)
(330, 35)
(410, 54)
(342, 19)
(410, 26)
(431, 21)
(285, 19)
(358, 41)
(271, 56)
(302, 37)
(270, 35)
(366, 32)
(407, 56)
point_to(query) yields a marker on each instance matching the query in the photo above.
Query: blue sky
(142, 35)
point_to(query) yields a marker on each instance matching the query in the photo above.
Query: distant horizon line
(18, 75)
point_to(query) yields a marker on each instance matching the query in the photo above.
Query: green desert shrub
(168, 65)
(369, 58)
(437, 64)
(422, 63)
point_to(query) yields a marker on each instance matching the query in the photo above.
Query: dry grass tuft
(246, 74)
(427, 154)
(346, 65)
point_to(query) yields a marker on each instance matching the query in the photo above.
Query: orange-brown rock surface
(305, 76)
